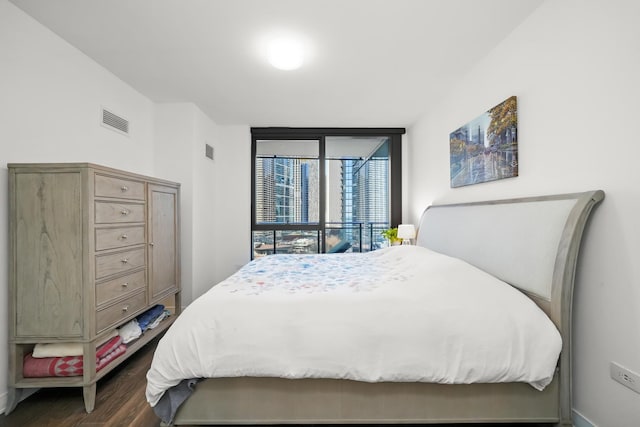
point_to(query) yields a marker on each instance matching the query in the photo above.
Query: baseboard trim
(580, 420)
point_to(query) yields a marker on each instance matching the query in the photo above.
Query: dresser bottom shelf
(87, 382)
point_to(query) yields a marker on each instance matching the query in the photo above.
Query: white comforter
(399, 314)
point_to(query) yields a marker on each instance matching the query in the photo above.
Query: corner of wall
(580, 420)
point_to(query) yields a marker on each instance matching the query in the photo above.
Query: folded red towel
(51, 366)
(108, 347)
(71, 365)
(119, 351)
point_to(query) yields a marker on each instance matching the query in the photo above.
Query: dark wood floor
(120, 401)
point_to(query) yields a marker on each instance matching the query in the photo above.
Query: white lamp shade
(406, 231)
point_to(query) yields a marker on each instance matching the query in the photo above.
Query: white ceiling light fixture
(286, 53)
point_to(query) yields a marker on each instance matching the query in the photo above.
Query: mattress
(401, 314)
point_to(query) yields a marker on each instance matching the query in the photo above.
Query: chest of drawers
(90, 248)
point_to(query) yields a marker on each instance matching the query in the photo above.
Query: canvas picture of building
(486, 148)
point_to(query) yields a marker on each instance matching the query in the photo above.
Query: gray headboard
(531, 243)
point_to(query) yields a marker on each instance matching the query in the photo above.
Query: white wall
(175, 133)
(215, 194)
(215, 205)
(204, 205)
(232, 208)
(573, 65)
(50, 99)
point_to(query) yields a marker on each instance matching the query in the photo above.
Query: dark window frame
(319, 134)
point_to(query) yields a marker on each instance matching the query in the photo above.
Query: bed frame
(531, 243)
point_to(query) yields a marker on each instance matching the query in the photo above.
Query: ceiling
(371, 63)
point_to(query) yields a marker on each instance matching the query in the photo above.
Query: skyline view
(288, 192)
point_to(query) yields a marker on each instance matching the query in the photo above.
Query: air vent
(115, 122)
(208, 151)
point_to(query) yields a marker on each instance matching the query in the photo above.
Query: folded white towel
(130, 331)
(62, 349)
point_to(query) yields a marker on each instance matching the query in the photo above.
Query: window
(324, 190)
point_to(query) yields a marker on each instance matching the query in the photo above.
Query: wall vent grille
(115, 122)
(208, 151)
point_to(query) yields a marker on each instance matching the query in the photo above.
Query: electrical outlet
(625, 377)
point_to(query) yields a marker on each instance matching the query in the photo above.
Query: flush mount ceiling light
(285, 53)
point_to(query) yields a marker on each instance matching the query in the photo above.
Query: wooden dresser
(90, 249)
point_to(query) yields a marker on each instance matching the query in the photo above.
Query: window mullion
(322, 195)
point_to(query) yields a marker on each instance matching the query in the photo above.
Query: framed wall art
(486, 148)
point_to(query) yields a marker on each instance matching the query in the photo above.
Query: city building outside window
(324, 190)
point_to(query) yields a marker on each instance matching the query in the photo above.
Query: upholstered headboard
(531, 243)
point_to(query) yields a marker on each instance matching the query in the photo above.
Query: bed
(530, 243)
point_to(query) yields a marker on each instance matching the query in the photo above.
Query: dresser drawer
(113, 212)
(116, 313)
(120, 287)
(119, 262)
(109, 186)
(111, 238)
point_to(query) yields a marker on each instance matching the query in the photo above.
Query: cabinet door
(163, 241)
(47, 254)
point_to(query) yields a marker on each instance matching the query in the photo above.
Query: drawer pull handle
(125, 285)
(124, 188)
(124, 212)
(124, 237)
(124, 260)
(125, 308)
